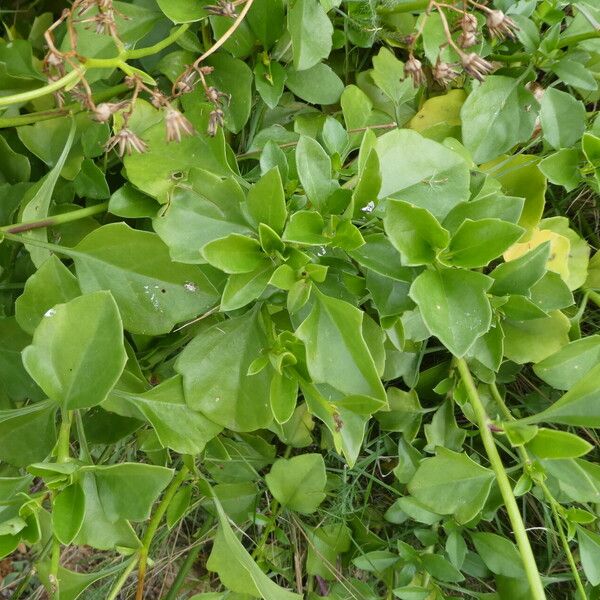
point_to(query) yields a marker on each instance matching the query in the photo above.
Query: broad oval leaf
(77, 354)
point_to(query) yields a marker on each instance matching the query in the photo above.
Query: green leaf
(520, 175)
(454, 306)
(476, 243)
(451, 483)
(318, 85)
(336, 351)
(580, 406)
(305, 227)
(519, 275)
(589, 550)
(191, 220)
(242, 288)
(551, 443)
(535, 339)
(266, 201)
(269, 81)
(128, 490)
(233, 77)
(575, 74)
(431, 177)
(414, 232)
(177, 426)
(67, 513)
(153, 171)
(38, 207)
(27, 434)
(283, 396)
(51, 284)
(214, 367)
(495, 117)
(14, 167)
(499, 554)
(311, 31)
(570, 364)
(562, 118)
(236, 568)
(314, 170)
(181, 11)
(441, 569)
(298, 483)
(77, 354)
(562, 168)
(235, 254)
(153, 293)
(267, 20)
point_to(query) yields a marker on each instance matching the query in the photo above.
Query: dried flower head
(414, 70)
(500, 26)
(223, 8)
(215, 96)
(186, 82)
(158, 99)
(126, 142)
(467, 39)
(444, 73)
(177, 125)
(54, 59)
(468, 23)
(216, 120)
(476, 66)
(104, 111)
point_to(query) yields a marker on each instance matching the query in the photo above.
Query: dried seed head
(186, 82)
(443, 72)
(467, 39)
(177, 125)
(54, 59)
(216, 120)
(414, 70)
(500, 26)
(223, 8)
(476, 66)
(158, 99)
(536, 89)
(104, 111)
(126, 142)
(468, 23)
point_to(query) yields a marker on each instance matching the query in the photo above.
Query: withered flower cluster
(499, 26)
(101, 15)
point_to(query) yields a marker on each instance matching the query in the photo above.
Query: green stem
(189, 561)
(59, 84)
(62, 456)
(75, 108)
(594, 297)
(116, 588)
(531, 570)
(149, 50)
(547, 493)
(153, 526)
(571, 40)
(56, 220)
(403, 7)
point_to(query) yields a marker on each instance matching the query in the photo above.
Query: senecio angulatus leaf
(299, 299)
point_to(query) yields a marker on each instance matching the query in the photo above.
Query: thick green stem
(403, 7)
(153, 526)
(50, 88)
(510, 503)
(62, 455)
(594, 297)
(548, 495)
(56, 220)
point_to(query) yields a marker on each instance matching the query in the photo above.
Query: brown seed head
(414, 69)
(500, 26)
(126, 142)
(476, 66)
(177, 125)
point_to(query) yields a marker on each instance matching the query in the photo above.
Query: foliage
(305, 275)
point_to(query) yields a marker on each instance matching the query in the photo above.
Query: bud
(126, 142)
(414, 70)
(104, 111)
(500, 26)
(443, 72)
(476, 66)
(216, 120)
(177, 125)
